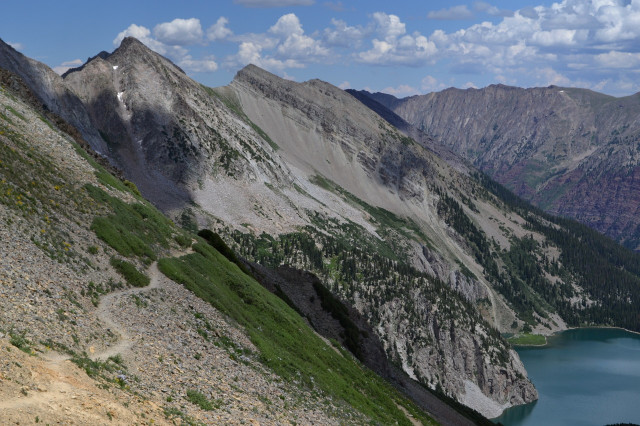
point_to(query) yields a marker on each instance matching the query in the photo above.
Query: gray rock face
(570, 151)
(50, 88)
(163, 129)
(433, 342)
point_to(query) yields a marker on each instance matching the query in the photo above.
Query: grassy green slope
(287, 345)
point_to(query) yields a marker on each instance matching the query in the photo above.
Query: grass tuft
(527, 339)
(130, 273)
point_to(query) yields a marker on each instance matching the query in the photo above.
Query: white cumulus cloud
(219, 30)
(389, 27)
(67, 65)
(397, 47)
(343, 35)
(567, 37)
(198, 65)
(589, 42)
(179, 32)
(287, 25)
(251, 53)
(555, 37)
(294, 43)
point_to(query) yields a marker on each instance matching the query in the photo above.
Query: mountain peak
(132, 50)
(252, 72)
(129, 42)
(132, 46)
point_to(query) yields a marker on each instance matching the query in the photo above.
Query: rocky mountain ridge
(572, 152)
(303, 174)
(370, 161)
(210, 149)
(94, 332)
(50, 89)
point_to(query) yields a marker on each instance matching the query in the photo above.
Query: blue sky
(402, 47)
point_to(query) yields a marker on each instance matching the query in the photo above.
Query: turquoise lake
(584, 377)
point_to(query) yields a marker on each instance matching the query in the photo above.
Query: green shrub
(183, 240)
(130, 273)
(97, 368)
(202, 401)
(132, 187)
(20, 342)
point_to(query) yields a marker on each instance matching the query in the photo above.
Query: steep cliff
(52, 93)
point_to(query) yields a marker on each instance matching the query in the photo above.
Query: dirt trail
(107, 313)
(53, 390)
(56, 389)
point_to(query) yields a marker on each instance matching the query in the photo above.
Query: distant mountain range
(421, 249)
(572, 152)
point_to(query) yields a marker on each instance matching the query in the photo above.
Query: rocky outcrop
(454, 355)
(570, 151)
(395, 172)
(163, 129)
(52, 93)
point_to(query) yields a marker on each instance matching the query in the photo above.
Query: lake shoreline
(577, 375)
(546, 337)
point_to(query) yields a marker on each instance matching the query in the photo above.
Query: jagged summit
(132, 50)
(252, 69)
(132, 46)
(132, 42)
